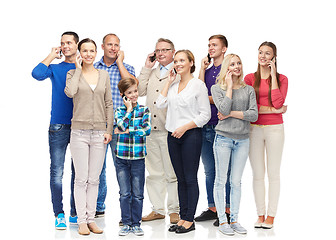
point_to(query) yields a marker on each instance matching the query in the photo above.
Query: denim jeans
(208, 159)
(59, 138)
(185, 156)
(102, 178)
(224, 149)
(131, 180)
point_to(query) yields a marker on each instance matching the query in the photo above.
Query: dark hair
(75, 35)
(257, 75)
(86, 40)
(126, 83)
(221, 37)
(190, 57)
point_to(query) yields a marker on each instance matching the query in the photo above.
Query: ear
(224, 50)
(102, 46)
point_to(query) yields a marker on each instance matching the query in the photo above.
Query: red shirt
(278, 99)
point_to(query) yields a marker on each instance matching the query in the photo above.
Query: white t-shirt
(191, 104)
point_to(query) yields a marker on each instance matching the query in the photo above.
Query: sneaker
(100, 214)
(73, 220)
(226, 229)
(238, 228)
(206, 215)
(125, 230)
(60, 223)
(137, 231)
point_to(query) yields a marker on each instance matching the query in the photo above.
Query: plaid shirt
(132, 145)
(115, 77)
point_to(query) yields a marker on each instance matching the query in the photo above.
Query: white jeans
(88, 153)
(161, 179)
(271, 139)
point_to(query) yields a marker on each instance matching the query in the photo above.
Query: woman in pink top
(267, 132)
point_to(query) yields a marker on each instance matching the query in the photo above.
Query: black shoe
(173, 228)
(185, 230)
(100, 214)
(216, 223)
(206, 215)
(121, 223)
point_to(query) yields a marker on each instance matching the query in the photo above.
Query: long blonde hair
(224, 69)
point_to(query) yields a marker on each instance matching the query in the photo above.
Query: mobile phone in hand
(152, 58)
(209, 58)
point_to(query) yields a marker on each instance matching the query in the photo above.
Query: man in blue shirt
(112, 62)
(60, 121)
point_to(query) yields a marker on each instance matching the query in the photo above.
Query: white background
(304, 32)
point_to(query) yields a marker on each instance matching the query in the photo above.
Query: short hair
(190, 57)
(221, 37)
(75, 35)
(110, 34)
(126, 83)
(167, 41)
(86, 40)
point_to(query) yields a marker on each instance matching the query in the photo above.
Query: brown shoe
(153, 216)
(83, 229)
(94, 228)
(174, 218)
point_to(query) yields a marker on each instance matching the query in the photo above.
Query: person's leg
(79, 146)
(222, 151)
(138, 183)
(72, 196)
(59, 137)
(123, 171)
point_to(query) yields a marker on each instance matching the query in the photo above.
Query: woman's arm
(72, 81)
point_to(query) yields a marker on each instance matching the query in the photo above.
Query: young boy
(133, 125)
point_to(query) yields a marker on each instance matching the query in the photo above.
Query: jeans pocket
(55, 127)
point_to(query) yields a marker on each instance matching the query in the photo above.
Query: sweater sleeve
(251, 114)
(143, 81)
(222, 102)
(279, 95)
(41, 72)
(108, 105)
(72, 80)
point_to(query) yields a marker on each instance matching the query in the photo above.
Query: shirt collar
(101, 62)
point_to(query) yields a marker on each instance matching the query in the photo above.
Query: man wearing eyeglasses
(161, 180)
(112, 62)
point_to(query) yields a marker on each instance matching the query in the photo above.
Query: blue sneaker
(60, 223)
(137, 231)
(125, 230)
(73, 220)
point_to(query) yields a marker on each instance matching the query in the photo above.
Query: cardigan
(93, 109)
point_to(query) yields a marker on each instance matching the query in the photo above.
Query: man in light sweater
(161, 179)
(60, 121)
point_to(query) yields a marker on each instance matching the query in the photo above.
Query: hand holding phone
(209, 58)
(152, 58)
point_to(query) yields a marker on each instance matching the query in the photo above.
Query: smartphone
(123, 96)
(152, 58)
(209, 58)
(60, 53)
(174, 70)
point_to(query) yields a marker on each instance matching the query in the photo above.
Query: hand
(78, 61)
(55, 52)
(221, 116)
(228, 79)
(271, 64)
(117, 131)
(171, 76)
(204, 63)
(120, 57)
(128, 104)
(149, 63)
(107, 138)
(178, 133)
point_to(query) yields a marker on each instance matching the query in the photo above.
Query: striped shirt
(115, 78)
(132, 145)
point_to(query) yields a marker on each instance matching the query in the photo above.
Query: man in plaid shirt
(112, 62)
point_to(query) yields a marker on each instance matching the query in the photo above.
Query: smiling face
(265, 55)
(68, 45)
(182, 64)
(164, 58)
(132, 94)
(235, 66)
(111, 46)
(88, 53)
(216, 48)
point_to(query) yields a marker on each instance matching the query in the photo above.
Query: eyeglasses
(163, 50)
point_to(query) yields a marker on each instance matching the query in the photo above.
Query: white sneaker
(226, 229)
(238, 228)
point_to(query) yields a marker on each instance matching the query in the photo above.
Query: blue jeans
(102, 191)
(185, 156)
(131, 180)
(59, 138)
(208, 159)
(224, 149)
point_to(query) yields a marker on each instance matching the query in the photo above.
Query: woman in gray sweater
(237, 107)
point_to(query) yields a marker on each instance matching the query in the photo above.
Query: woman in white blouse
(188, 110)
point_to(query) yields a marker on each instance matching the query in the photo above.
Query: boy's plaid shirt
(132, 146)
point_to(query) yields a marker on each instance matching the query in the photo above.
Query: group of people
(219, 117)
